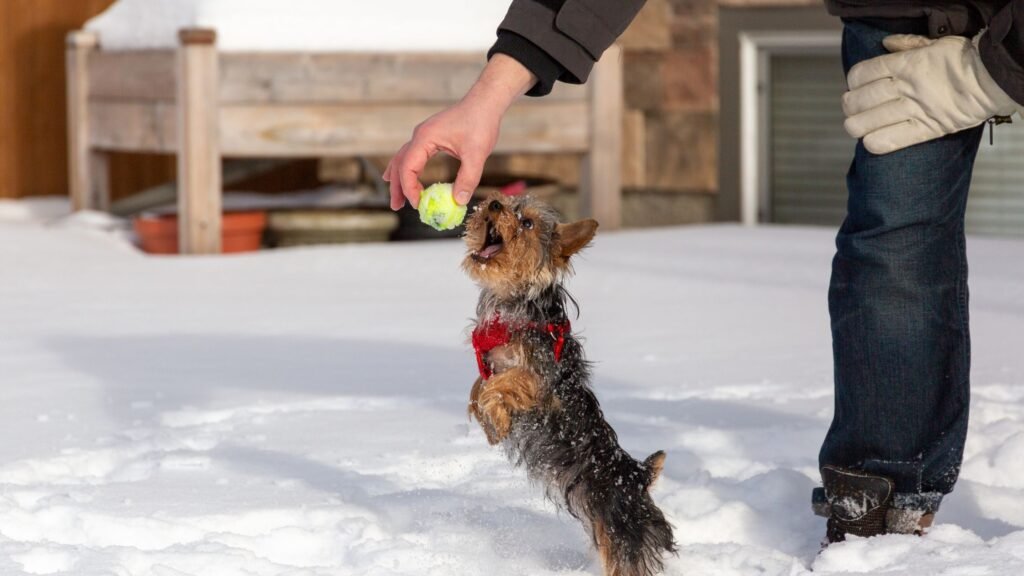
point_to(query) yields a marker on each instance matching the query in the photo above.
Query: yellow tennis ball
(438, 208)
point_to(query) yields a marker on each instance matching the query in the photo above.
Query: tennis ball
(438, 208)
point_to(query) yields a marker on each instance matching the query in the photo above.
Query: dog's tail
(629, 530)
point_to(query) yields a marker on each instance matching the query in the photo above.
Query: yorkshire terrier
(533, 395)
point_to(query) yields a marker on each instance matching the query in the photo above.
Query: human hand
(922, 90)
(467, 131)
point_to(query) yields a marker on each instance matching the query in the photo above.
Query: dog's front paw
(498, 419)
(476, 411)
(474, 400)
(502, 396)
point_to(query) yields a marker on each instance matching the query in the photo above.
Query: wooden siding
(33, 139)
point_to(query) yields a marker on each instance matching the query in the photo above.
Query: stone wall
(671, 120)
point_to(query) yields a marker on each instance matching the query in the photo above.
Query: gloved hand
(923, 90)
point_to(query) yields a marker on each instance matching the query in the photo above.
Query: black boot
(857, 503)
(862, 504)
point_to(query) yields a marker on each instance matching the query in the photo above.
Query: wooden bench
(205, 105)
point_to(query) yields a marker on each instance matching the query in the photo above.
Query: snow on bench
(305, 25)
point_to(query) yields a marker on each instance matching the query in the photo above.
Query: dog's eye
(527, 223)
(495, 206)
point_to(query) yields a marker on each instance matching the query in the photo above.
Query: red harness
(496, 332)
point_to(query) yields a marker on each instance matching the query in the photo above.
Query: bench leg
(601, 180)
(199, 169)
(88, 169)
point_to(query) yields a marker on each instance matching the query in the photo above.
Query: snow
(302, 411)
(306, 25)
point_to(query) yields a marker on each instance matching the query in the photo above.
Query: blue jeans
(898, 303)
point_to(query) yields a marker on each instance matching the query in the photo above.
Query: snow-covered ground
(302, 412)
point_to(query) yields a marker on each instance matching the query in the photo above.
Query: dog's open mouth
(493, 243)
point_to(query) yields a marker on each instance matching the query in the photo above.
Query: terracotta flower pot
(240, 232)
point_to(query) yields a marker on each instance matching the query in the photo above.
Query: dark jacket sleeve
(1002, 49)
(572, 33)
(544, 67)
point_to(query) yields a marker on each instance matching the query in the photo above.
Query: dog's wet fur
(542, 410)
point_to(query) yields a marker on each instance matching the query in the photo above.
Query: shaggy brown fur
(537, 402)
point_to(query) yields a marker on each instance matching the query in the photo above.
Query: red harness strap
(496, 332)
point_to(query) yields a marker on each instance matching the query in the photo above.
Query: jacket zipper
(995, 121)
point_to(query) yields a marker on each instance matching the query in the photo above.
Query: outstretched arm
(539, 42)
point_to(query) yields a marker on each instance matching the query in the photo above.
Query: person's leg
(898, 303)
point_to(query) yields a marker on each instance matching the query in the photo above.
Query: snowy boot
(860, 504)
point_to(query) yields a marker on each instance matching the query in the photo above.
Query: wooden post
(88, 170)
(199, 170)
(601, 181)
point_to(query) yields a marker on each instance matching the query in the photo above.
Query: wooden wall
(33, 141)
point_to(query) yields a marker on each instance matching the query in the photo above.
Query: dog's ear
(574, 237)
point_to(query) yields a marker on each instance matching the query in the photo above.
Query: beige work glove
(922, 90)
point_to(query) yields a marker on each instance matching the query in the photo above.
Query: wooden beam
(199, 172)
(133, 75)
(303, 131)
(133, 126)
(601, 179)
(366, 129)
(302, 78)
(89, 181)
(340, 78)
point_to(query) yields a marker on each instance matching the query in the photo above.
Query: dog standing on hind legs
(533, 395)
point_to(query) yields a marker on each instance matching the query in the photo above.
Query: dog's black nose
(495, 206)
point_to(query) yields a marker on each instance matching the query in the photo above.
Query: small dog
(533, 395)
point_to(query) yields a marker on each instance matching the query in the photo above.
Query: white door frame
(756, 50)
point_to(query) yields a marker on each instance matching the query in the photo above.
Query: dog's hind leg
(515, 390)
(603, 542)
(630, 532)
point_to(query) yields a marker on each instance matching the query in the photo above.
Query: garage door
(809, 153)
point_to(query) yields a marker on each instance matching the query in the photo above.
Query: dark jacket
(562, 39)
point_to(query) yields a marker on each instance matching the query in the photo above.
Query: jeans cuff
(927, 502)
(923, 502)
